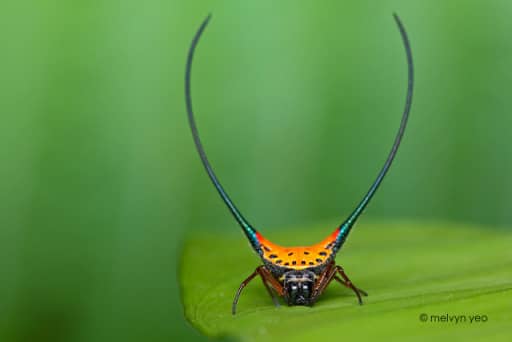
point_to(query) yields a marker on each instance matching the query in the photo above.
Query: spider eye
(294, 287)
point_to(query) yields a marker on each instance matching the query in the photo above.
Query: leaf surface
(448, 272)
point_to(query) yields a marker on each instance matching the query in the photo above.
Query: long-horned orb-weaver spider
(299, 274)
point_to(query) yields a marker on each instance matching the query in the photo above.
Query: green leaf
(441, 270)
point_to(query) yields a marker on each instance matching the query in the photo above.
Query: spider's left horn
(249, 231)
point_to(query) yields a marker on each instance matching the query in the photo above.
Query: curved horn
(345, 227)
(246, 227)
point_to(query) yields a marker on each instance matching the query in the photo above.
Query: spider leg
(325, 279)
(268, 280)
(342, 282)
(347, 282)
(240, 288)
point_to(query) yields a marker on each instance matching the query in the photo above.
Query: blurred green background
(297, 104)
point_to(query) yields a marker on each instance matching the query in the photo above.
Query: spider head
(299, 286)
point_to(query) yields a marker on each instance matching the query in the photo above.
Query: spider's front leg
(348, 283)
(330, 274)
(270, 283)
(324, 279)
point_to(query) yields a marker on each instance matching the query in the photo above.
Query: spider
(298, 274)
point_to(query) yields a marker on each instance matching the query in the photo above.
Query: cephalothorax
(298, 274)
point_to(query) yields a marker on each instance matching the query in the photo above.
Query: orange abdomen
(298, 257)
